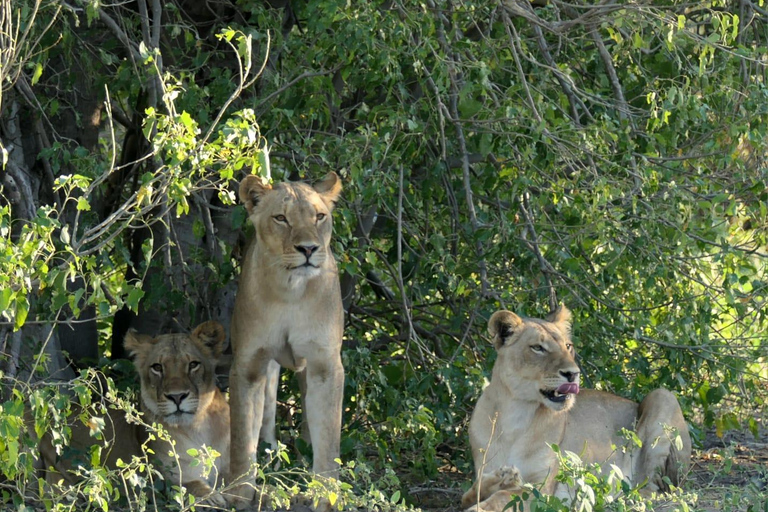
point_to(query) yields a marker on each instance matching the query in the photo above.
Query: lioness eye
(280, 218)
(537, 348)
(320, 216)
(157, 368)
(194, 365)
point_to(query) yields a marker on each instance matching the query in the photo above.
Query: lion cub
(532, 402)
(178, 390)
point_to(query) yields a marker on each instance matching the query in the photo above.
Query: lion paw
(508, 477)
(242, 496)
(215, 500)
(304, 503)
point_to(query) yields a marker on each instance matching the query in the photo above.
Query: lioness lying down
(532, 402)
(119, 440)
(178, 389)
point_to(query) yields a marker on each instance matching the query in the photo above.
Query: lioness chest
(289, 333)
(520, 438)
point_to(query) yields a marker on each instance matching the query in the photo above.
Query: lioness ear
(212, 335)
(502, 325)
(136, 343)
(562, 318)
(251, 190)
(329, 189)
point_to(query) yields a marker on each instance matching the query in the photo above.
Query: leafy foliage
(494, 154)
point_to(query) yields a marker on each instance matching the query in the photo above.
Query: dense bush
(494, 154)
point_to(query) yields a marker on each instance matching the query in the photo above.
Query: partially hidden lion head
(293, 221)
(177, 371)
(536, 357)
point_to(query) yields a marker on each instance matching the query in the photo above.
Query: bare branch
(618, 92)
(306, 74)
(533, 244)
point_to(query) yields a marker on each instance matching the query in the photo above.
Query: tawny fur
(513, 423)
(178, 390)
(118, 439)
(288, 312)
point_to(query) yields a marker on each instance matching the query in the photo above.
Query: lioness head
(293, 221)
(536, 357)
(177, 371)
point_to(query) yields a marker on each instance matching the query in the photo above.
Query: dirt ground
(724, 468)
(727, 474)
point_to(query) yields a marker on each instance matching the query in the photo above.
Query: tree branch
(533, 244)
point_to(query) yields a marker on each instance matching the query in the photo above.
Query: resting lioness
(288, 310)
(178, 390)
(532, 402)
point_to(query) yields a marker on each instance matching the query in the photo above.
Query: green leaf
(22, 310)
(6, 294)
(132, 301)
(83, 204)
(37, 74)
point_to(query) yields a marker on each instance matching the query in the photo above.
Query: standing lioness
(288, 310)
(532, 403)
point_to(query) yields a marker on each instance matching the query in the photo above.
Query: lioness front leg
(491, 489)
(204, 495)
(325, 387)
(268, 431)
(246, 401)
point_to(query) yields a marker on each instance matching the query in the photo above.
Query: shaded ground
(727, 474)
(731, 473)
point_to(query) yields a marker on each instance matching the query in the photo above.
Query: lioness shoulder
(534, 400)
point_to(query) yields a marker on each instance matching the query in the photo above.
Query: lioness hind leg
(493, 487)
(660, 422)
(268, 430)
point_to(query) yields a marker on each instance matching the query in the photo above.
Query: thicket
(608, 155)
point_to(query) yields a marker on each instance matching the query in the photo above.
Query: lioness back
(119, 440)
(178, 390)
(534, 400)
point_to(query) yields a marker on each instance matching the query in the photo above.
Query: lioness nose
(176, 398)
(306, 250)
(570, 376)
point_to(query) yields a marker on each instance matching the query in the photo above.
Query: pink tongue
(569, 388)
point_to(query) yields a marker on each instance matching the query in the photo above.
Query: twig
(613, 77)
(293, 82)
(242, 84)
(513, 37)
(404, 298)
(210, 231)
(121, 35)
(533, 244)
(485, 289)
(564, 82)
